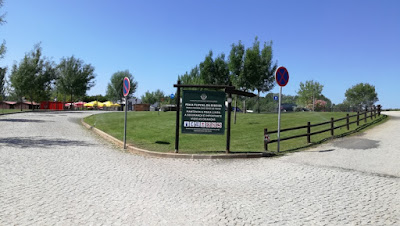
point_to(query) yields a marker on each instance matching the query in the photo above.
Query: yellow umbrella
(108, 104)
(90, 104)
(116, 105)
(99, 104)
(93, 104)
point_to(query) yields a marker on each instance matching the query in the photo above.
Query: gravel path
(376, 151)
(54, 172)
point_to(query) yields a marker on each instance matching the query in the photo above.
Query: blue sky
(337, 43)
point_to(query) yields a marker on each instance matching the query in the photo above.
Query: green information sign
(203, 112)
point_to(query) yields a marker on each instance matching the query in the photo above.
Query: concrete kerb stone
(144, 152)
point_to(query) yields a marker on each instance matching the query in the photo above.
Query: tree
(74, 77)
(327, 100)
(288, 99)
(115, 86)
(2, 53)
(266, 79)
(309, 92)
(221, 76)
(2, 82)
(98, 97)
(192, 78)
(361, 95)
(214, 72)
(345, 106)
(258, 72)
(252, 66)
(320, 105)
(3, 44)
(33, 76)
(207, 70)
(235, 64)
(153, 97)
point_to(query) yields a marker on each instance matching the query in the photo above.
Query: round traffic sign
(127, 86)
(282, 76)
(172, 96)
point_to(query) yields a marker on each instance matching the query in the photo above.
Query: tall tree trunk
(244, 106)
(258, 101)
(313, 102)
(31, 96)
(70, 106)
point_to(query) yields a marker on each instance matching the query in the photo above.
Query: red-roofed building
(7, 104)
(26, 105)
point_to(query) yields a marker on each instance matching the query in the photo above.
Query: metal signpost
(282, 78)
(125, 91)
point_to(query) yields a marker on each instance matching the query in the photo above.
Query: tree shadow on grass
(26, 142)
(162, 142)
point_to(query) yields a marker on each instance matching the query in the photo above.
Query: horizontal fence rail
(360, 116)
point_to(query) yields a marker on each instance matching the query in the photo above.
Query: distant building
(18, 105)
(132, 102)
(7, 104)
(141, 107)
(27, 105)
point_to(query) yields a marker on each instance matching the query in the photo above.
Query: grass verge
(155, 131)
(9, 111)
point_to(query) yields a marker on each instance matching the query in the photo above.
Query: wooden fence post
(308, 132)
(358, 118)
(348, 121)
(365, 114)
(374, 111)
(265, 140)
(332, 128)
(371, 113)
(379, 110)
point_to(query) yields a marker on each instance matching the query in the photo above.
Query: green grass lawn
(6, 111)
(156, 131)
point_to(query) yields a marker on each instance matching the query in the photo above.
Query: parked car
(168, 107)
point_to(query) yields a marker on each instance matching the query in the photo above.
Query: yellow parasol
(108, 104)
(94, 104)
(90, 104)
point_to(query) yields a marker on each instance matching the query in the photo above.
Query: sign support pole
(126, 110)
(228, 132)
(126, 86)
(279, 117)
(178, 107)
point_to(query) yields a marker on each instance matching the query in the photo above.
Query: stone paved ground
(54, 172)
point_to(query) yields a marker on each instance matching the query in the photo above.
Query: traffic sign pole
(126, 113)
(126, 86)
(281, 78)
(279, 117)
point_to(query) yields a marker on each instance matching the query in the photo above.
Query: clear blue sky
(338, 43)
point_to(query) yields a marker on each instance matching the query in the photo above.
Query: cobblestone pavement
(54, 172)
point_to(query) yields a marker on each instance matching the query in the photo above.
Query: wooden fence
(372, 113)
